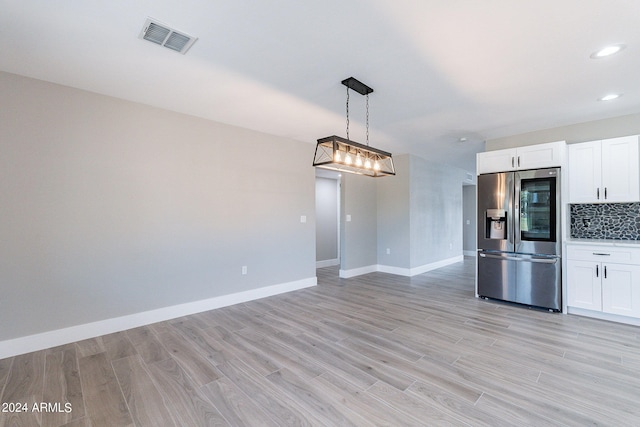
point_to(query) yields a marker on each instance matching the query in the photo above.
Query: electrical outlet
(388, 251)
(244, 270)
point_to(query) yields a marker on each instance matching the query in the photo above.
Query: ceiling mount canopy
(336, 153)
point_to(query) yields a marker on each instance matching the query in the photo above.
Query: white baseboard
(41, 341)
(345, 274)
(327, 263)
(603, 316)
(409, 272)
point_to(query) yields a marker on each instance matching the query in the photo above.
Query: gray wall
(419, 213)
(326, 219)
(110, 208)
(436, 211)
(358, 236)
(394, 216)
(469, 213)
(580, 132)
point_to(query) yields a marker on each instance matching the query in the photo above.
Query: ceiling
(441, 70)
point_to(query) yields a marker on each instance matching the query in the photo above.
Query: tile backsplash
(617, 221)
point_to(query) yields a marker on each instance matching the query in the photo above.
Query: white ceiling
(441, 69)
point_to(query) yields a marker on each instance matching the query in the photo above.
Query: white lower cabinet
(604, 279)
(584, 287)
(621, 289)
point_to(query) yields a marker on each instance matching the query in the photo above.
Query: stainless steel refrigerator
(519, 237)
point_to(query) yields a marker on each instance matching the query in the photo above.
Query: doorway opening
(327, 219)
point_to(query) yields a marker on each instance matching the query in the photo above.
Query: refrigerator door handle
(519, 259)
(483, 255)
(544, 260)
(504, 257)
(512, 203)
(516, 210)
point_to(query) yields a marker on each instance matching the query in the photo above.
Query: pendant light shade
(344, 155)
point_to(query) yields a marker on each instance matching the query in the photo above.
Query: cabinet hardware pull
(605, 271)
(605, 193)
(598, 193)
(601, 254)
(597, 271)
(518, 161)
(513, 159)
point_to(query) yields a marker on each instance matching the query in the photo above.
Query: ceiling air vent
(163, 35)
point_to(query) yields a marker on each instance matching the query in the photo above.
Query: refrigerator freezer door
(538, 281)
(525, 279)
(497, 276)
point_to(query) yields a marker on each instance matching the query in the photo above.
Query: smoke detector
(166, 36)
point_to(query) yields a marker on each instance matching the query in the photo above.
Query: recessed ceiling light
(610, 97)
(607, 51)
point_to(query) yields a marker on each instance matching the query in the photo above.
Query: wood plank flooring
(375, 350)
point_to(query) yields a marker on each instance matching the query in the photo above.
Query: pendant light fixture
(344, 155)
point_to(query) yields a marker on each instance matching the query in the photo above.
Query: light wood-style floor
(373, 350)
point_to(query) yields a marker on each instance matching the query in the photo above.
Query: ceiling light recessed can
(607, 51)
(610, 97)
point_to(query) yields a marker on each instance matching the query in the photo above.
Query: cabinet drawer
(607, 254)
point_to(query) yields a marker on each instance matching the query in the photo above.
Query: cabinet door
(584, 285)
(496, 161)
(539, 156)
(585, 173)
(620, 171)
(621, 289)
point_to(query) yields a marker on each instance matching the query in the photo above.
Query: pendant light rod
(357, 85)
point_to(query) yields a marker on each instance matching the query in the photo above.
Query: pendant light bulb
(358, 160)
(367, 164)
(347, 159)
(376, 166)
(336, 157)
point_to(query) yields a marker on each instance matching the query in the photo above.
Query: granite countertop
(604, 242)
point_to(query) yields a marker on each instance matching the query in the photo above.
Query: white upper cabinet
(621, 169)
(606, 171)
(496, 161)
(528, 157)
(585, 172)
